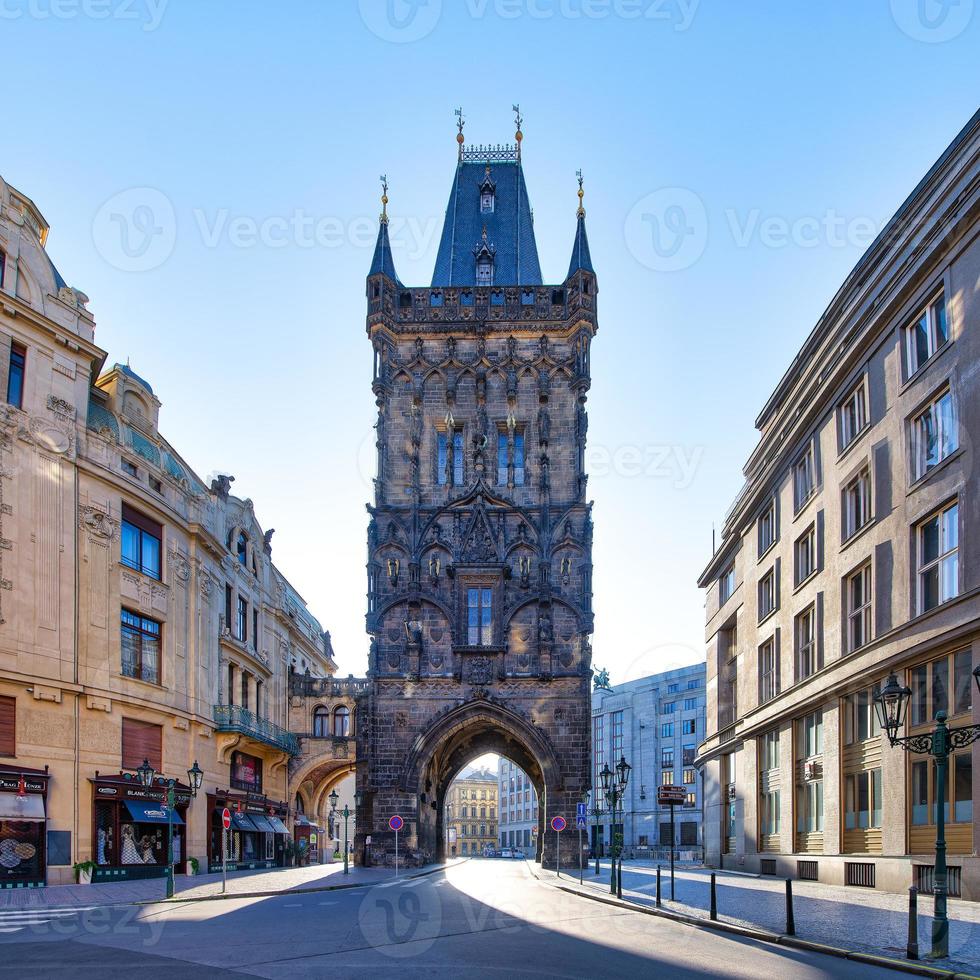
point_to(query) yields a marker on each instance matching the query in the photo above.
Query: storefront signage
(246, 771)
(7, 785)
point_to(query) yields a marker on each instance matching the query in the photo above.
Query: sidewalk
(200, 886)
(853, 918)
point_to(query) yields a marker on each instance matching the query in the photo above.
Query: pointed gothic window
(484, 272)
(486, 202)
(508, 453)
(479, 613)
(443, 463)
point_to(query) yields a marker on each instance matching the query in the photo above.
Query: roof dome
(130, 373)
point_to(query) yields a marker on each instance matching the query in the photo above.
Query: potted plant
(193, 866)
(83, 872)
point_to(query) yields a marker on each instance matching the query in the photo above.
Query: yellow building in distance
(471, 814)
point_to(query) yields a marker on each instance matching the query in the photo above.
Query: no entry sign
(396, 823)
(226, 818)
(557, 824)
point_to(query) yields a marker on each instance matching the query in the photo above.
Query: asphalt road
(480, 918)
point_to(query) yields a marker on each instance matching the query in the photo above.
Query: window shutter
(141, 740)
(8, 726)
(143, 523)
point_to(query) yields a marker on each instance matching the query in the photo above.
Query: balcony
(233, 718)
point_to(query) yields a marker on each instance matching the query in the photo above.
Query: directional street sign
(580, 811)
(580, 822)
(671, 795)
(226, 818)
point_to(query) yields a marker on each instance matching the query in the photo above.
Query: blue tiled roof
(173, 468)
(99, 418)
(509, 228)
(382, 261)
(143, 446)
(129, 372)
(581, 259)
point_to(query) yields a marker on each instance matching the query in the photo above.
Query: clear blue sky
(762, 139)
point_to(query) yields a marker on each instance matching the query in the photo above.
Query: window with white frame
(857, 598)
(853, 414)
(926, 335)
(767, 594)
(768, 671)
(767, 528)
(937, 559)
(806, 643)
(856, 504)
(805, 555)
(769, 821)
(934, 434)
(804, 479)
(770, 750)
(726, 584)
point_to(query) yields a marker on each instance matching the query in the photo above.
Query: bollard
(790, 921)
(912, 949)
(658, 886)
(714, 900)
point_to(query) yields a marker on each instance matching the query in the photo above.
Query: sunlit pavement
(479, 918)
(854, 918)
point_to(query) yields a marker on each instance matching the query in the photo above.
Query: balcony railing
(234, 718)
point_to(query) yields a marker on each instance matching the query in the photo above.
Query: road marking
(327, 903)
(292, 905)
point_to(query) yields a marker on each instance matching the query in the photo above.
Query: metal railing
(234, 718)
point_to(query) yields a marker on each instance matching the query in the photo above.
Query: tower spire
(460, 123)
(581, 259)
(382, 263)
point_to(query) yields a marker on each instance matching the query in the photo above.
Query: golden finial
(518, 121)
(384, 199)
(460, 123)
(581, 194)
(484, 232)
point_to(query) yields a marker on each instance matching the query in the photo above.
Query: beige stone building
(854, 550)
(141, 616)
(471, 814)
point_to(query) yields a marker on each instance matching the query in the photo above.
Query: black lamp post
(614, 786)
(891, 705)
(345, 813)
(596, 813)
(195, 777)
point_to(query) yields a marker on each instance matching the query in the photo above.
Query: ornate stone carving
(479, 670)
(63, 409)
(97, 522)
(179, 565)
(45, 434)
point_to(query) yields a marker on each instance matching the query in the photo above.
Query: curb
(914, 967)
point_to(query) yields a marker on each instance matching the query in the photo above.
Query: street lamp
(614, 787)
(195, 777)
(891, 706)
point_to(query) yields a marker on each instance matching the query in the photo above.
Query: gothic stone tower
(480, 539)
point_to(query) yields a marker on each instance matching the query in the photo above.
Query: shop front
(308, 838)
(258, 835)
(129, 824)
(23, 822)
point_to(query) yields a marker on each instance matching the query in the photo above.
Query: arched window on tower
(321, 722)
(241, 547)
(484, 272)
(341, 721)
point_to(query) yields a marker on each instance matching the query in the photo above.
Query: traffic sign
(396, 823)
(671, 795)
(226, 818)
(557, 824)
(580, 810)
(581, 822)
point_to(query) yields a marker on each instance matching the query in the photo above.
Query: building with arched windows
(471, 814)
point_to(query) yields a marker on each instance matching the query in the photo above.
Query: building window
(3, 266)
(728, 677)
(934, 435)
(140, 647)
(726, 584)
(690, 777)
(8, 726)
(853, 415)
(810, 734)
(806, 644)
(690, 704)
(617, 736)
(860, 718)
(667, 729)
(255, 629)
(856, 504)
(479, 617)
(857, 601)
(486, 202)
(693, 685)
(862, 799)
(770, 813)
(688, 754)
(689, 726)
(804, 479)
(809, 818)
(141, 740)
(805, 555)
(938, 558)
(669, 708)
(672, 688)
(341, 721)
(242, 619)
(770, 750)
(321, 722)
(767, 528)
(129, 468)
(241, 547)
(667, 777)
(768, 671)
(510, 453)
(767, 594)
(15, 373)
(140, 542)
(450, 467)
(932, 692)
(667, 758)
(484, 272)
(926, 335)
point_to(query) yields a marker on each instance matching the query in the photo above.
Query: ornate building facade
(471, 814)
(852, 551)
(141, 616)
(480, 538)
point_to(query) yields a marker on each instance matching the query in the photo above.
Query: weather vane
(460, 123)
(518, 121)
(581, 194)
(384, 198)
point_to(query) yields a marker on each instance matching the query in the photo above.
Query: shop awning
(242, 821)
(278, 826)
(151, 812)
(262, 825)
(29, 808)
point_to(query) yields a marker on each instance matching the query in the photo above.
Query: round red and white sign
(557, 824)
(396, 822)
(226, 818)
